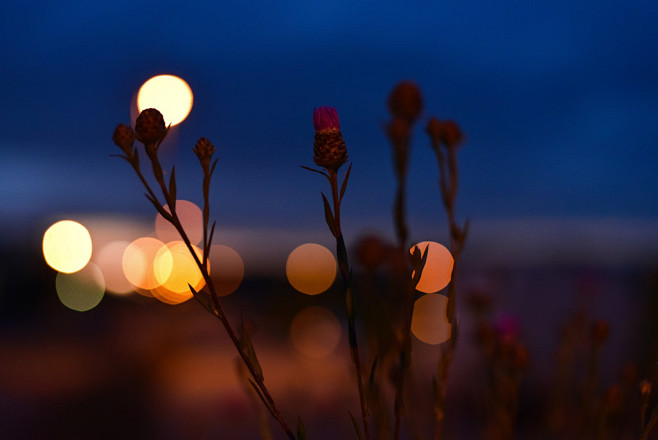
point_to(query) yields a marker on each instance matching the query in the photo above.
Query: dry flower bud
(204, 150)
(124, 137)
(405, 101)
(434, 129)
(150, 127)
(451, 134)
(329, 150)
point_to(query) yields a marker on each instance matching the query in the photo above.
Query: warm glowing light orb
(429, 322)
(438, 268)
(67, 246)
(109, 260)
(137, 262)
(227, 269)
(175, 269)
(171, 95)
(82, 290)
(191, 218)
(315, 332)
(311, 268)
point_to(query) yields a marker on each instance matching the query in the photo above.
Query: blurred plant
(151, 131)
(445, 138)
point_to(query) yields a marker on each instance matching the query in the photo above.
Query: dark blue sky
(558, 100)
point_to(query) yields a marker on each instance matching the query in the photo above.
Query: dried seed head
(124, 137)
(405, 101)
(446, 132)
(329, 150)
(452, 134)
(204, 150)
(150, 127)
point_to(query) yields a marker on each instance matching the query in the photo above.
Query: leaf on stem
(212, 168)
(262, 398)
(212, 232)
(316, 171)
(328, 215)
(247, 349)
(371, 379)
(344, 185)
(172, 190)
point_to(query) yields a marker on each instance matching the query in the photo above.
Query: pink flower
(325, 118)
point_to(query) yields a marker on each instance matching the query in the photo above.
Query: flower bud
(204, 150)
(329, 150)
(451, 134)
(150, 127)
(405, 101)
(124, 137)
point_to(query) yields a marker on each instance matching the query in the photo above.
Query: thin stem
(345, 273)
(217, 308)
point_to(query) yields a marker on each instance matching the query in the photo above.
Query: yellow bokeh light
(315, 332)
(311, 268)
(191, 218)
(227, 269)
(137, 262)
(82, 290)
(438, 268)
(109, 260)
(171, 95)
(67, 246)
(429, 322)
(175, 268)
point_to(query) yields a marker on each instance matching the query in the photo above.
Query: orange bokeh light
(438, 268)
(311, 268)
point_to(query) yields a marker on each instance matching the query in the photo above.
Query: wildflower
(150, 127)
(329, 150)
(405, 101)
(446, 132)
(204, 150)
(124, 137)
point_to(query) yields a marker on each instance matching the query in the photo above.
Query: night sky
(558, 101)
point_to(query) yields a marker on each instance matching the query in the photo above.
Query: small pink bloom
(325, 118)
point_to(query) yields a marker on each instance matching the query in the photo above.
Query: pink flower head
(325, 118)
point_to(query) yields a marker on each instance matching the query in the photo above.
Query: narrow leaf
(301, 430)
(356, 426)
(212, 168)
(212, 232)
(248, 349)
(172, 190)
(371, 379)
(315, 171)
(344, 185)
(329, 216)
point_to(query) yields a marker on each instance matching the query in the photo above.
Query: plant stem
(345, 272)
(216, 308)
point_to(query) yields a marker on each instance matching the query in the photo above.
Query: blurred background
(558, 102)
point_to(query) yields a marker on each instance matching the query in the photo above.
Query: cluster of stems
(152, 139)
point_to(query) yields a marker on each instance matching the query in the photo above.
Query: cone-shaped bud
(405, 101)
(329, 150)
(204, 150)
(124, 138)
(150, 127)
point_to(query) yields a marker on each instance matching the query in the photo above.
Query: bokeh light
(429, 322)
(315, 332)
(227, 269)
(82, 290)
(171, 95)
(109, 260)
(311, 268)
(191, 218)
(438, 268)
(137, 262)
(67, 246)
(175, 270)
